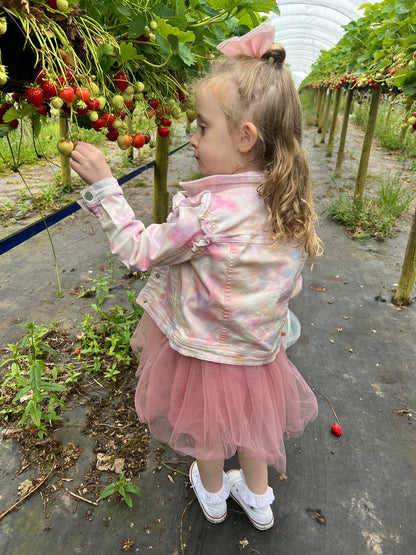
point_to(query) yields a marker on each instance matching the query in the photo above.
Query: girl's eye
(202, 127)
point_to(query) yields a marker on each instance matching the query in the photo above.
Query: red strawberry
(43, 110)
(336, 429)
(14, 123)
(93, 104)
(40, 75)
(81, 111)
(49, 89)
(129, 104)
(109, 119)
(98, 124)
(121, 81)
(65, 147)
(82, 94)
(67, 94)
(138, 140)
(52, 4)
(165, 122)
(122, 115)
(154, 103)
(143, 38)
(163, 131)
(34, 96)
(124, 141)
(112, 134)
(147, 139)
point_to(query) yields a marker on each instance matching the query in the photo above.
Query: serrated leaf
(409, 85)
(128, 52)
(164, 30)
(137, 25)
(186, 54)
(11, 114)
(4, 130)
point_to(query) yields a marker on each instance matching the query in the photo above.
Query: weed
(124, 488)
(106, 337)
(377, 214)
(34, 387)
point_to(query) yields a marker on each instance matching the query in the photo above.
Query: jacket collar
(216, 183)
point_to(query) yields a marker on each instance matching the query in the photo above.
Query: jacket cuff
(95, 193)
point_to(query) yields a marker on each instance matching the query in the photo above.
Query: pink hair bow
(255, 43)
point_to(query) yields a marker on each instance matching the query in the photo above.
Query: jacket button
(88, 195)
(157, 276)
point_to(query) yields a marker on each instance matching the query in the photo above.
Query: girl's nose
(193, 141)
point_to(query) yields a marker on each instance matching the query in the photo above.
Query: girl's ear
(248, 137)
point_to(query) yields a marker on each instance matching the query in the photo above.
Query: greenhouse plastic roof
(306, 28)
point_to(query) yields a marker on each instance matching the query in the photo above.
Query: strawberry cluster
(129, 107)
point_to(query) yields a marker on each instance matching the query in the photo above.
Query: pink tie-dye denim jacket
(218, 290)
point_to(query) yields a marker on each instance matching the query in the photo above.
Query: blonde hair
(263, 92)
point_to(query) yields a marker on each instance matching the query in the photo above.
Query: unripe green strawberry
(93, 116)
(127, 97)
(3, 25)
(152, 37)
(65, 147)
(139, 87)
(101, 102)
(62, 5)
(118, 102)
(124, 141)
(117, 124)
(3, 75)
(56, 102)
(411, 120)
(153, 25)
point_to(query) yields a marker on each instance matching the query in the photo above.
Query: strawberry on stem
(65, 147)
(35, 96)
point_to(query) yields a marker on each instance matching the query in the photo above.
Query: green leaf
(409, 85)
(4, 130)
(109, 490)
(11, 114)
(132, 488)
(35, 375)
(137, 25)
(186, 54)
(128, 500)
(21, 393)
(35, 412)
(164, 29)
(128, 52)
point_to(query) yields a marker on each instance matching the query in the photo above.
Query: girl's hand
(89, 163)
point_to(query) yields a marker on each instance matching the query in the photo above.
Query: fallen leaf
(25, 487)
(318, 288)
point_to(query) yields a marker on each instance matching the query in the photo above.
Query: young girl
(214, 378)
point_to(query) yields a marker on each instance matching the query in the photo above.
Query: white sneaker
(214, 505)
(256, 507)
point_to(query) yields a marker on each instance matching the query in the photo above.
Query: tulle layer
(206, 409)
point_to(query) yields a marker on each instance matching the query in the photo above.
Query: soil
(100, 416)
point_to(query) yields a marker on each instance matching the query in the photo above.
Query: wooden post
(333, 123)
(326, 114)
(341, 147)
(366, 149)
(65, 160)
(322, 109)
(319, 100)
(160, 192)
(402, 296)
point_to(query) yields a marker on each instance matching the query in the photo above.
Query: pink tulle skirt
(207, 410)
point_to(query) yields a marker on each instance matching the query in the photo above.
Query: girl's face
(216, 149)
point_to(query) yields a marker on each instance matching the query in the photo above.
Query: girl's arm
(137, 247)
